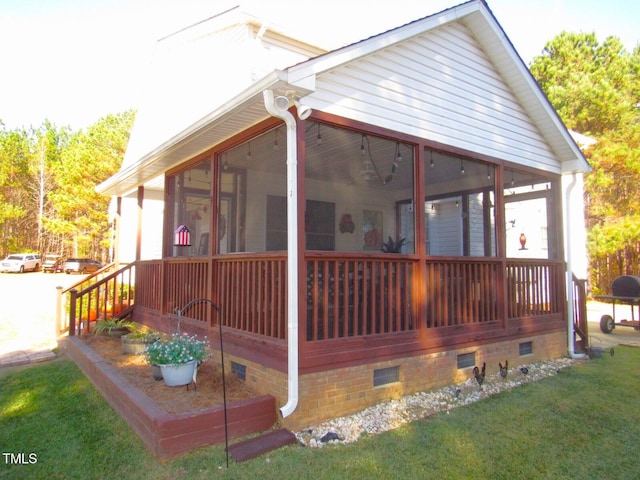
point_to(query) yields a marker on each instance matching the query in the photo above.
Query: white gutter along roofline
(292, 251)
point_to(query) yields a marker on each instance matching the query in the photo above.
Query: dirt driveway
(27, 309)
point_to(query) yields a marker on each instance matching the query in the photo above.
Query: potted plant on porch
(178, 357)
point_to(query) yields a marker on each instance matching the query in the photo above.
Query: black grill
(626, 286)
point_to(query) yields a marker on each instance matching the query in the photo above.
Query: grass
(582, 423)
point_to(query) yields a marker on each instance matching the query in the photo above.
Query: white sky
(74, 61)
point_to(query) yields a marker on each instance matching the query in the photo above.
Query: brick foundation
(334, 393)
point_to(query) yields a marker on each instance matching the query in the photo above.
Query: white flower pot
(176, 375)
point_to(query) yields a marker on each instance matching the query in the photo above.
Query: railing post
(72, 312)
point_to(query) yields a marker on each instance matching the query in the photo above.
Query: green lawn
(582, 423)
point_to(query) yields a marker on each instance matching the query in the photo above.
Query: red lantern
(182, 237)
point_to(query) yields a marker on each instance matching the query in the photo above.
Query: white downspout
(570, 303)
(292, 249)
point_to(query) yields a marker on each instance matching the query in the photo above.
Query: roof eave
(182, 145)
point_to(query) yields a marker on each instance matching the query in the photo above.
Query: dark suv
(81, 265)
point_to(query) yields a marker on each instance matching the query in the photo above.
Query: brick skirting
(334, 393)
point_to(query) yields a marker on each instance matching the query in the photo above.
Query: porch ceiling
(240, 113)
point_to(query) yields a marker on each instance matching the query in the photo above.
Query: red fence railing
(461, 291)
(534, 287)
(358, 296)
(353, 295)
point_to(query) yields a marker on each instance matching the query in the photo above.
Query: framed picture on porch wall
(371, 229)
(203, 248)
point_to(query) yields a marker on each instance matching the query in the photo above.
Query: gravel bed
(394, 413)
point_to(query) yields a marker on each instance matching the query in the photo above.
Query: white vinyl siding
(439, 86)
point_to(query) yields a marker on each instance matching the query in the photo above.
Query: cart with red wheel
(625, 291)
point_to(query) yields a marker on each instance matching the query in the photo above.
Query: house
(371, 221)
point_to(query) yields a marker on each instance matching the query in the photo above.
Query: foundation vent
(383, 376)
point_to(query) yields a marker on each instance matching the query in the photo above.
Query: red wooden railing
(534, 287)
(353, 295)
(103, 295)
(149, 277)
(580, 323)
(462, 291)
(358, 296)
(252, 293)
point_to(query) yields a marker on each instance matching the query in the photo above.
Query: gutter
(569, 279)
(279, 109)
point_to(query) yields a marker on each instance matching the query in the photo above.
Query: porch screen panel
(531, 215)
(359, 191)
(190, 206)
(252, 177)
(459, 206)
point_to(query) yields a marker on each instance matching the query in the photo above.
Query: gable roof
(247, 108)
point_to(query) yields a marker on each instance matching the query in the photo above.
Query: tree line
(595, 88)
(48, 175)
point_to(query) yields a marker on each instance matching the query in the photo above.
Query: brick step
(254, 447)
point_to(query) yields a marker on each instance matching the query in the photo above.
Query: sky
(74, 61)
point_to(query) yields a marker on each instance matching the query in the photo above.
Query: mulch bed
(137, 371)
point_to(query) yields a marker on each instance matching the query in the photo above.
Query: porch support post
(279, 110)
(116, 233)
(139, 227)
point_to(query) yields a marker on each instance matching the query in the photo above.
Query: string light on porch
(370, 173)
(461, 167)
(431, 164)
(249, 151)
(275, 140)
(318, 137)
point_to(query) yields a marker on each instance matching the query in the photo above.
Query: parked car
(52, 264)
(21, 262)
(81, 265)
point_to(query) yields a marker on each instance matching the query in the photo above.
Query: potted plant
(178, 357)
(134, 343)
(115, 327)
(394, 246)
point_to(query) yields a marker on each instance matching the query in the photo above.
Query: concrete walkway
(11, 356)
